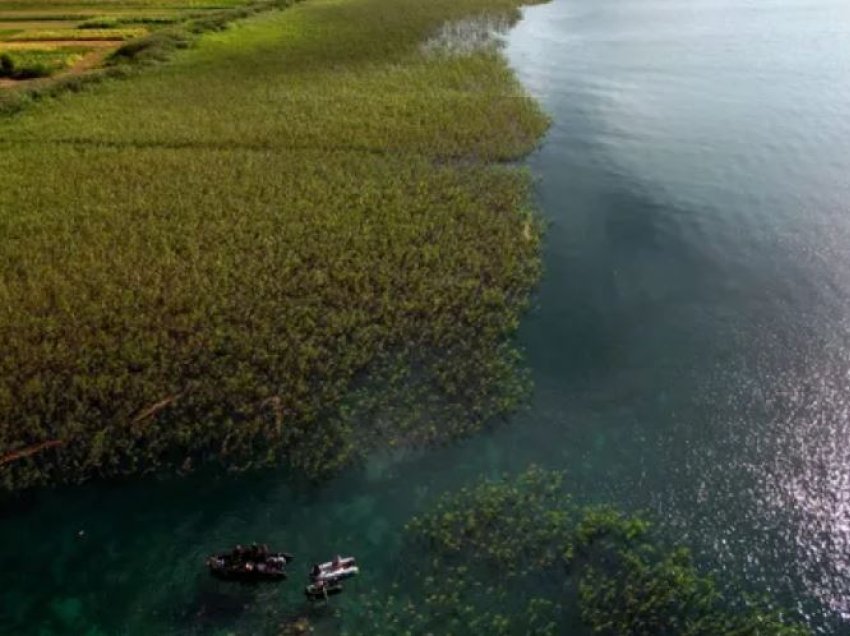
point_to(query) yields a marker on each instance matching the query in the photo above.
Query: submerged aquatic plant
(483, 523)
(646, 591)
(518, 556)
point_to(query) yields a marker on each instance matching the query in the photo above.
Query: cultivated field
(45, 38)
(293, 241)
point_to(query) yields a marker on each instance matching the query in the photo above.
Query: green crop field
(291, 243)
(42, 26)
(77, 34)
(49, 6)
(39, 63)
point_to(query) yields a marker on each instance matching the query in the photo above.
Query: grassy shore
(290, 243)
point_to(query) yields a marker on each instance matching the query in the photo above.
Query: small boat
(321, 590)
(334, 571)
(251, 564)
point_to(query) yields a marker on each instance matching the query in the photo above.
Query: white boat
(337, 570)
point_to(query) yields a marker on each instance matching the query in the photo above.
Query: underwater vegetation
(519, 556)
(293, 242)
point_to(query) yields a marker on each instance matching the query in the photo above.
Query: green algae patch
(291, 244)
(519, 556)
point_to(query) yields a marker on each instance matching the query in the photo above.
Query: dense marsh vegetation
(519, 556)
(290, 243)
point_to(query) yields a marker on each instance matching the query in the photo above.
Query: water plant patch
(518, 556)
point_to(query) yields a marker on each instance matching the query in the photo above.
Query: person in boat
(238, 552)
(322, 589)
(321, 586)
(258, 552)
(336, 563)
(315, 571)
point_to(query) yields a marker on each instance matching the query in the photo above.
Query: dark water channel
(689, 342)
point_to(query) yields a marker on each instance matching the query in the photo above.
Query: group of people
(254, 557)
(321, 588)
(256, 552)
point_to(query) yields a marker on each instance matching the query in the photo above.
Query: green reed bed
(287, 245)
(519, 556)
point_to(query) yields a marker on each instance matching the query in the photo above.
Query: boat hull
(331, 572)
(271, 567)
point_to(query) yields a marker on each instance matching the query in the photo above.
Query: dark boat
(320, 590)
(251, 564)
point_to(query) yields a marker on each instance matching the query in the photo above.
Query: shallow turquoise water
(688, 343)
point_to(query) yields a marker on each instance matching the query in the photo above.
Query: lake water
(689, 343)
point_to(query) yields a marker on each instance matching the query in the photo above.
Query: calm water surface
(691, 345)
(689, 342)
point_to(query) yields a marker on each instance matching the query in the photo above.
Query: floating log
(29, 450)
(156, 408)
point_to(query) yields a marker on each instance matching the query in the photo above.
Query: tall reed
(291, 243)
